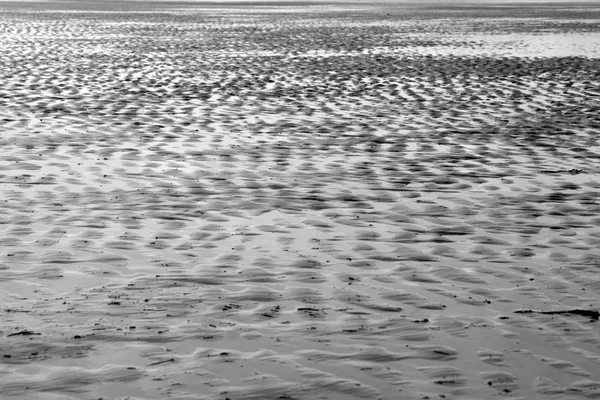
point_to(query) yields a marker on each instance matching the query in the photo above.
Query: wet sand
(299, 202)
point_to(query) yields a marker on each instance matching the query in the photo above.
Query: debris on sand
(584, 313)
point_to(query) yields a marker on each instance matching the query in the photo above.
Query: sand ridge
(299, 202)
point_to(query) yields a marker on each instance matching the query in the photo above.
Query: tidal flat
(277, 200)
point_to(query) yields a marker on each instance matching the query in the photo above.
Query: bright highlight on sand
(299, 201)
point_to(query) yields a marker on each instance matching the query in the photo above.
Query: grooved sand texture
(299, 202)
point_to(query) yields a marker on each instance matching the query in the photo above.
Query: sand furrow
(217, 201)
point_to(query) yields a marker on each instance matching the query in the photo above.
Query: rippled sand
(299, 202)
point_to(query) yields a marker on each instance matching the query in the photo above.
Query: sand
(233, 201)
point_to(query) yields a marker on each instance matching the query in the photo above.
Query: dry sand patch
(299, 202)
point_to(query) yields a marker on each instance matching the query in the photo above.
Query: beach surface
(299, 201)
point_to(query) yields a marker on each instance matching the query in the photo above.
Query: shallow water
(299, 202)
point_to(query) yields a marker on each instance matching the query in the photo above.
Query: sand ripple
(299, 202)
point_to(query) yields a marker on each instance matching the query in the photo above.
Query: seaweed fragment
(595, 315)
